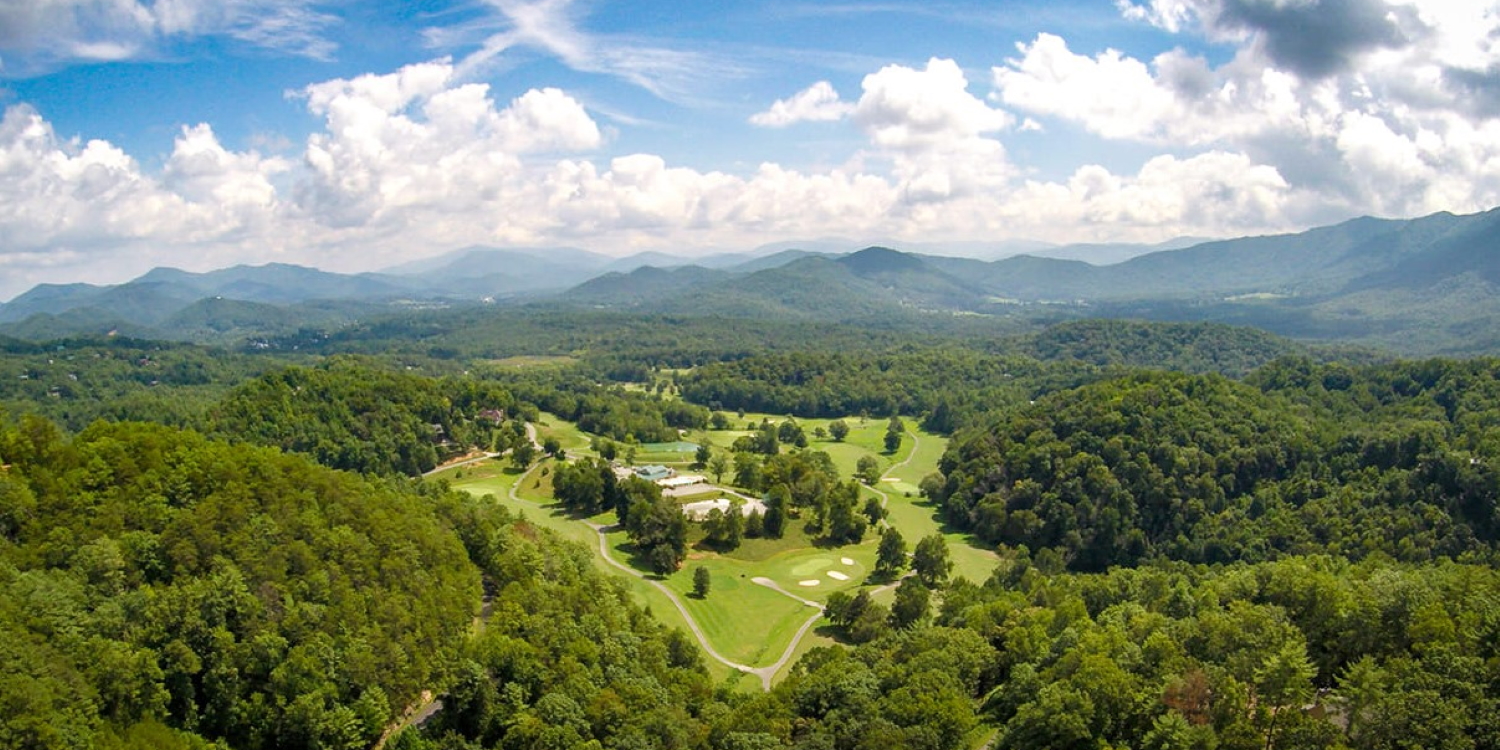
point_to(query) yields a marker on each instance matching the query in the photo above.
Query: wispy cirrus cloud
(553, 28)
(37, 36)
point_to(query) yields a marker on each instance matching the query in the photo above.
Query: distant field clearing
(532, 361)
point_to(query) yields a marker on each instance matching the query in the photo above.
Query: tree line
(1396, 460)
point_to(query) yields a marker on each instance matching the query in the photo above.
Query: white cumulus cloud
(1389, 135)
(816, 103)
(906, 108)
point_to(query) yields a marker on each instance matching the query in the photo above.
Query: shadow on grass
(832, 632)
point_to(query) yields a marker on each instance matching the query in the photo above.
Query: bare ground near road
(464, 460)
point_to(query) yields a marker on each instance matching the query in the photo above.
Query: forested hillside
(1304, 652)
(352, 415)
(76, 381)
(1396, 460)
(1207, 537)
(151, 578)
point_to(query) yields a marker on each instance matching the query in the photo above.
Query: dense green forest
(1397, 460)
(76, 381)
(1209, 538)
(152, 578)
(349, 414)
(1303, 652)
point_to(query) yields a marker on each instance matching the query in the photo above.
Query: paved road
(885, 499)
(766, 673)
(530, 435)
(672, 596)
(916, 442)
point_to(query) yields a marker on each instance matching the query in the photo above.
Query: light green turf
(531, 361)
(746, 622)
(573, 440)
(753, 624)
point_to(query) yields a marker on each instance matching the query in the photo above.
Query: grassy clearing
(915, 518)
(675, 459)
(531, 361)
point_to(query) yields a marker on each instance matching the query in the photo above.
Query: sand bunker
(847, 561)
(837, 576)
(813, 582)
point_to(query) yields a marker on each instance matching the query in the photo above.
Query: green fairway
(744, 621)
(573, 440)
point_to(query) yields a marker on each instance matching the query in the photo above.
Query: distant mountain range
(1426, 285)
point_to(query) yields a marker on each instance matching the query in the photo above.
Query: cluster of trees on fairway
(157, 587)
(944, 386)
(656, 526)
(1399, 460)
(804, 483)
(768, 437)
(614, 412)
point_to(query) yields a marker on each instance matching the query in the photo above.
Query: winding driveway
(677, 602)
(766, 673)
(916, 442)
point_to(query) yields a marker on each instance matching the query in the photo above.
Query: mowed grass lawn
(572, 439)
(754, 623)
(902, 474)
(746, 622)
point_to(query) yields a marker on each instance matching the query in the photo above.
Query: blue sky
(354, 135)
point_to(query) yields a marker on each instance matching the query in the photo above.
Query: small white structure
(700, 510)
(679, 481)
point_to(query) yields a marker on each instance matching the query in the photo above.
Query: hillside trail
(427, 704)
